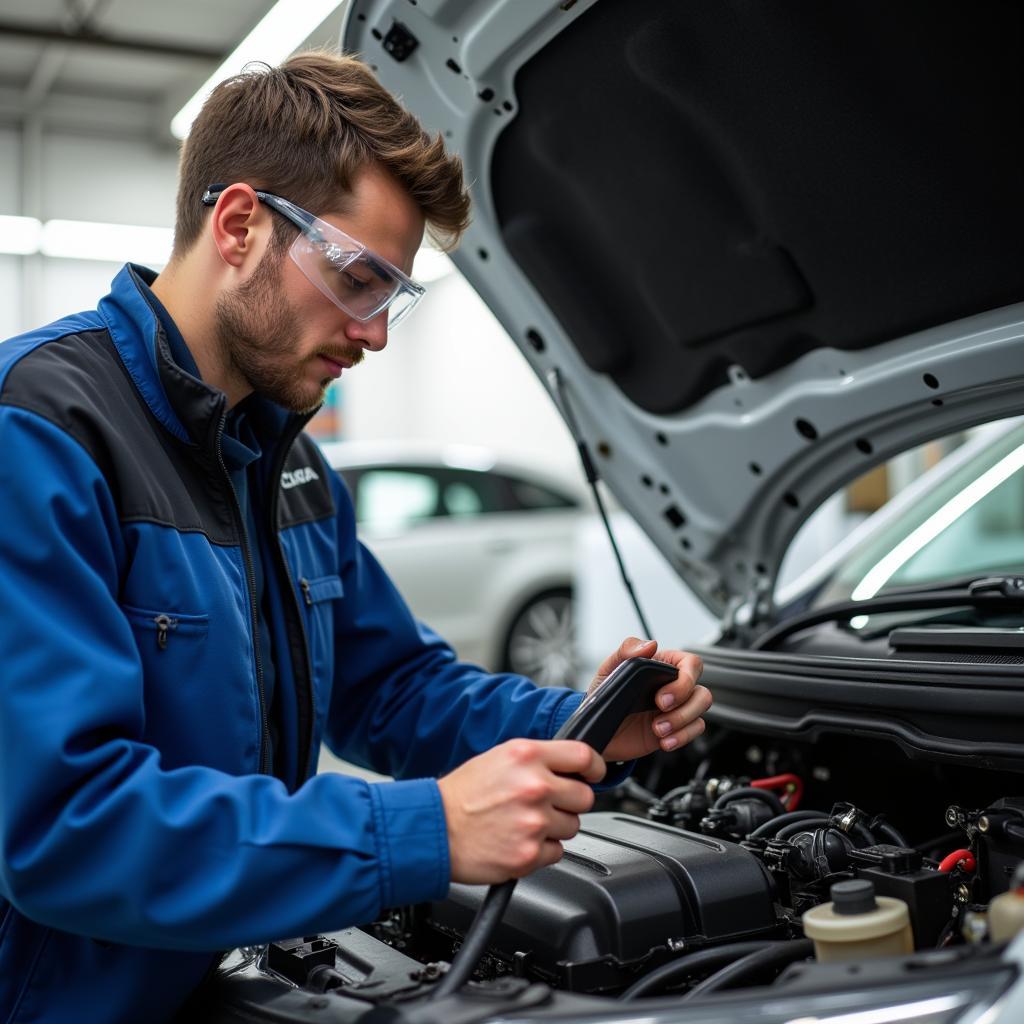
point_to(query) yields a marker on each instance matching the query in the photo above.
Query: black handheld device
(630, 687)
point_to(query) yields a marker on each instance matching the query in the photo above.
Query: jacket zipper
(250, 577)
(302, 675)
(306, 595)
(164, 623)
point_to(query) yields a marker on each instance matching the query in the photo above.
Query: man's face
(285, 338)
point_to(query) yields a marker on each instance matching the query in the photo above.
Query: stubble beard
(257, 329)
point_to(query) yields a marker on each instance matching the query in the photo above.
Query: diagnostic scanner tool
(629, 687)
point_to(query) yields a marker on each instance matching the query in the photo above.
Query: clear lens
(352, 277)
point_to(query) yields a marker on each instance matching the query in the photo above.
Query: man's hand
(508, 809)
(682, 703)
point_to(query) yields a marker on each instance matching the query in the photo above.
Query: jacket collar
(186, 406)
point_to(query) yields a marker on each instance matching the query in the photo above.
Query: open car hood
(752, 249)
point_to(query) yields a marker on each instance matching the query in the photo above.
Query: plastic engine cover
(626, 890)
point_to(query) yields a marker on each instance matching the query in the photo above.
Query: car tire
(541, 640)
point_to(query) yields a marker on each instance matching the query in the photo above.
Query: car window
(971, 523)
(528, 495)
(462, 499)
(394, 498)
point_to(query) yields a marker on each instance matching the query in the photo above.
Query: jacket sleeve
(401, 703)
(95, 836)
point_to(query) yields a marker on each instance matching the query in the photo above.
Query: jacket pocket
(167, 625)
(318, 597)
(323, 588)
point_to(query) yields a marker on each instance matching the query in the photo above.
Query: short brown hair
(303, 130)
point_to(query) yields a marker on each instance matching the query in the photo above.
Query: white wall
(451, 374)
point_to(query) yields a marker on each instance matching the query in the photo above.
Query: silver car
(752, 250)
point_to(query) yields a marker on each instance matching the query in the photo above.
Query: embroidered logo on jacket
(296, 477)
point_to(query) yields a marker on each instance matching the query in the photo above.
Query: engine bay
(703, 863)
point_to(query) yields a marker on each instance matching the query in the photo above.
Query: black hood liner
(695, 185)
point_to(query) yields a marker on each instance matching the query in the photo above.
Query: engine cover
(627, 893)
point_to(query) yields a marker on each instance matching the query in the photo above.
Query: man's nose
(371, 334)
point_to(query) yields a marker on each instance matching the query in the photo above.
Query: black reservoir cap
(854, 897)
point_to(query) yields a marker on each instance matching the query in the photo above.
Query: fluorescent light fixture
(431, 265)
(115, 243)
(284, 28)
(19, 236)
(934, 525)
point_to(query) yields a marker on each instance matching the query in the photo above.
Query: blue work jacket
(140, 830)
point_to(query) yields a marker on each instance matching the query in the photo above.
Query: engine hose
(858, 832)
(862, 833)
(769, 828)
(766, 796)
(475, 942)
(778, 954)
(703, 960)
(886, 831)
(788, 831)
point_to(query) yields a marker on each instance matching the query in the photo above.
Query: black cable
(940, 842)
(766, 796)
(703, 960)
(562, 399)
(771, 827)
(475, 942)
(886, 831)
(788, 831)
(633, 789)
(863, 833)
(777, 954)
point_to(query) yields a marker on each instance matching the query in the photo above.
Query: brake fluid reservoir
(858, 924)
(1006, 911)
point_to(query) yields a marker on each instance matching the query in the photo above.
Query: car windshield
(970, 522)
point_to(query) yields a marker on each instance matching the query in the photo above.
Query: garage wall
(450, 375)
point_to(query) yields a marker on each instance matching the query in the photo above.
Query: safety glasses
(354, 278)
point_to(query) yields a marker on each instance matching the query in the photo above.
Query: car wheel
(541, 642)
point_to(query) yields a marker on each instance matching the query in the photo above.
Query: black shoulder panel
(305, 485)
(79, 384)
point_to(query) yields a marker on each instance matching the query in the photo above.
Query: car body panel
(825, 407)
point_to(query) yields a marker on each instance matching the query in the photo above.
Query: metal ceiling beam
(85, 38)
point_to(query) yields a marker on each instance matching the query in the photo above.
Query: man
(188, 612)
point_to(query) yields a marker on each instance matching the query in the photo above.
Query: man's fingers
(562, 825)
(571, 757)
(692, 708)
(572, 796)
(683, 736)
(631, 647)
(689, 668)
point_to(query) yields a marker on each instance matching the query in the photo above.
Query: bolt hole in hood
(766, 246)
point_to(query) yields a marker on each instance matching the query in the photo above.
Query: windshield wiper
(987, 592)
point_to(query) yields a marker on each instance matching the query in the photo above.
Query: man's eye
(355, 283)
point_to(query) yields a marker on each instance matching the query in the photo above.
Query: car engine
(685, 871)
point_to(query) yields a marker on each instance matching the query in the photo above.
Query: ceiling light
(284, 28)
(19, 236)
(115, 243)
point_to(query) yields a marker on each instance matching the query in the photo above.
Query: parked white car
(480, 547)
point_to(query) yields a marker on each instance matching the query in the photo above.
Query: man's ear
(241, 226)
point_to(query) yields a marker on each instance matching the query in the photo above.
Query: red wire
(792, 786)
(958, 858)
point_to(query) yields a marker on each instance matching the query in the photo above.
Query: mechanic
(188, 611)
